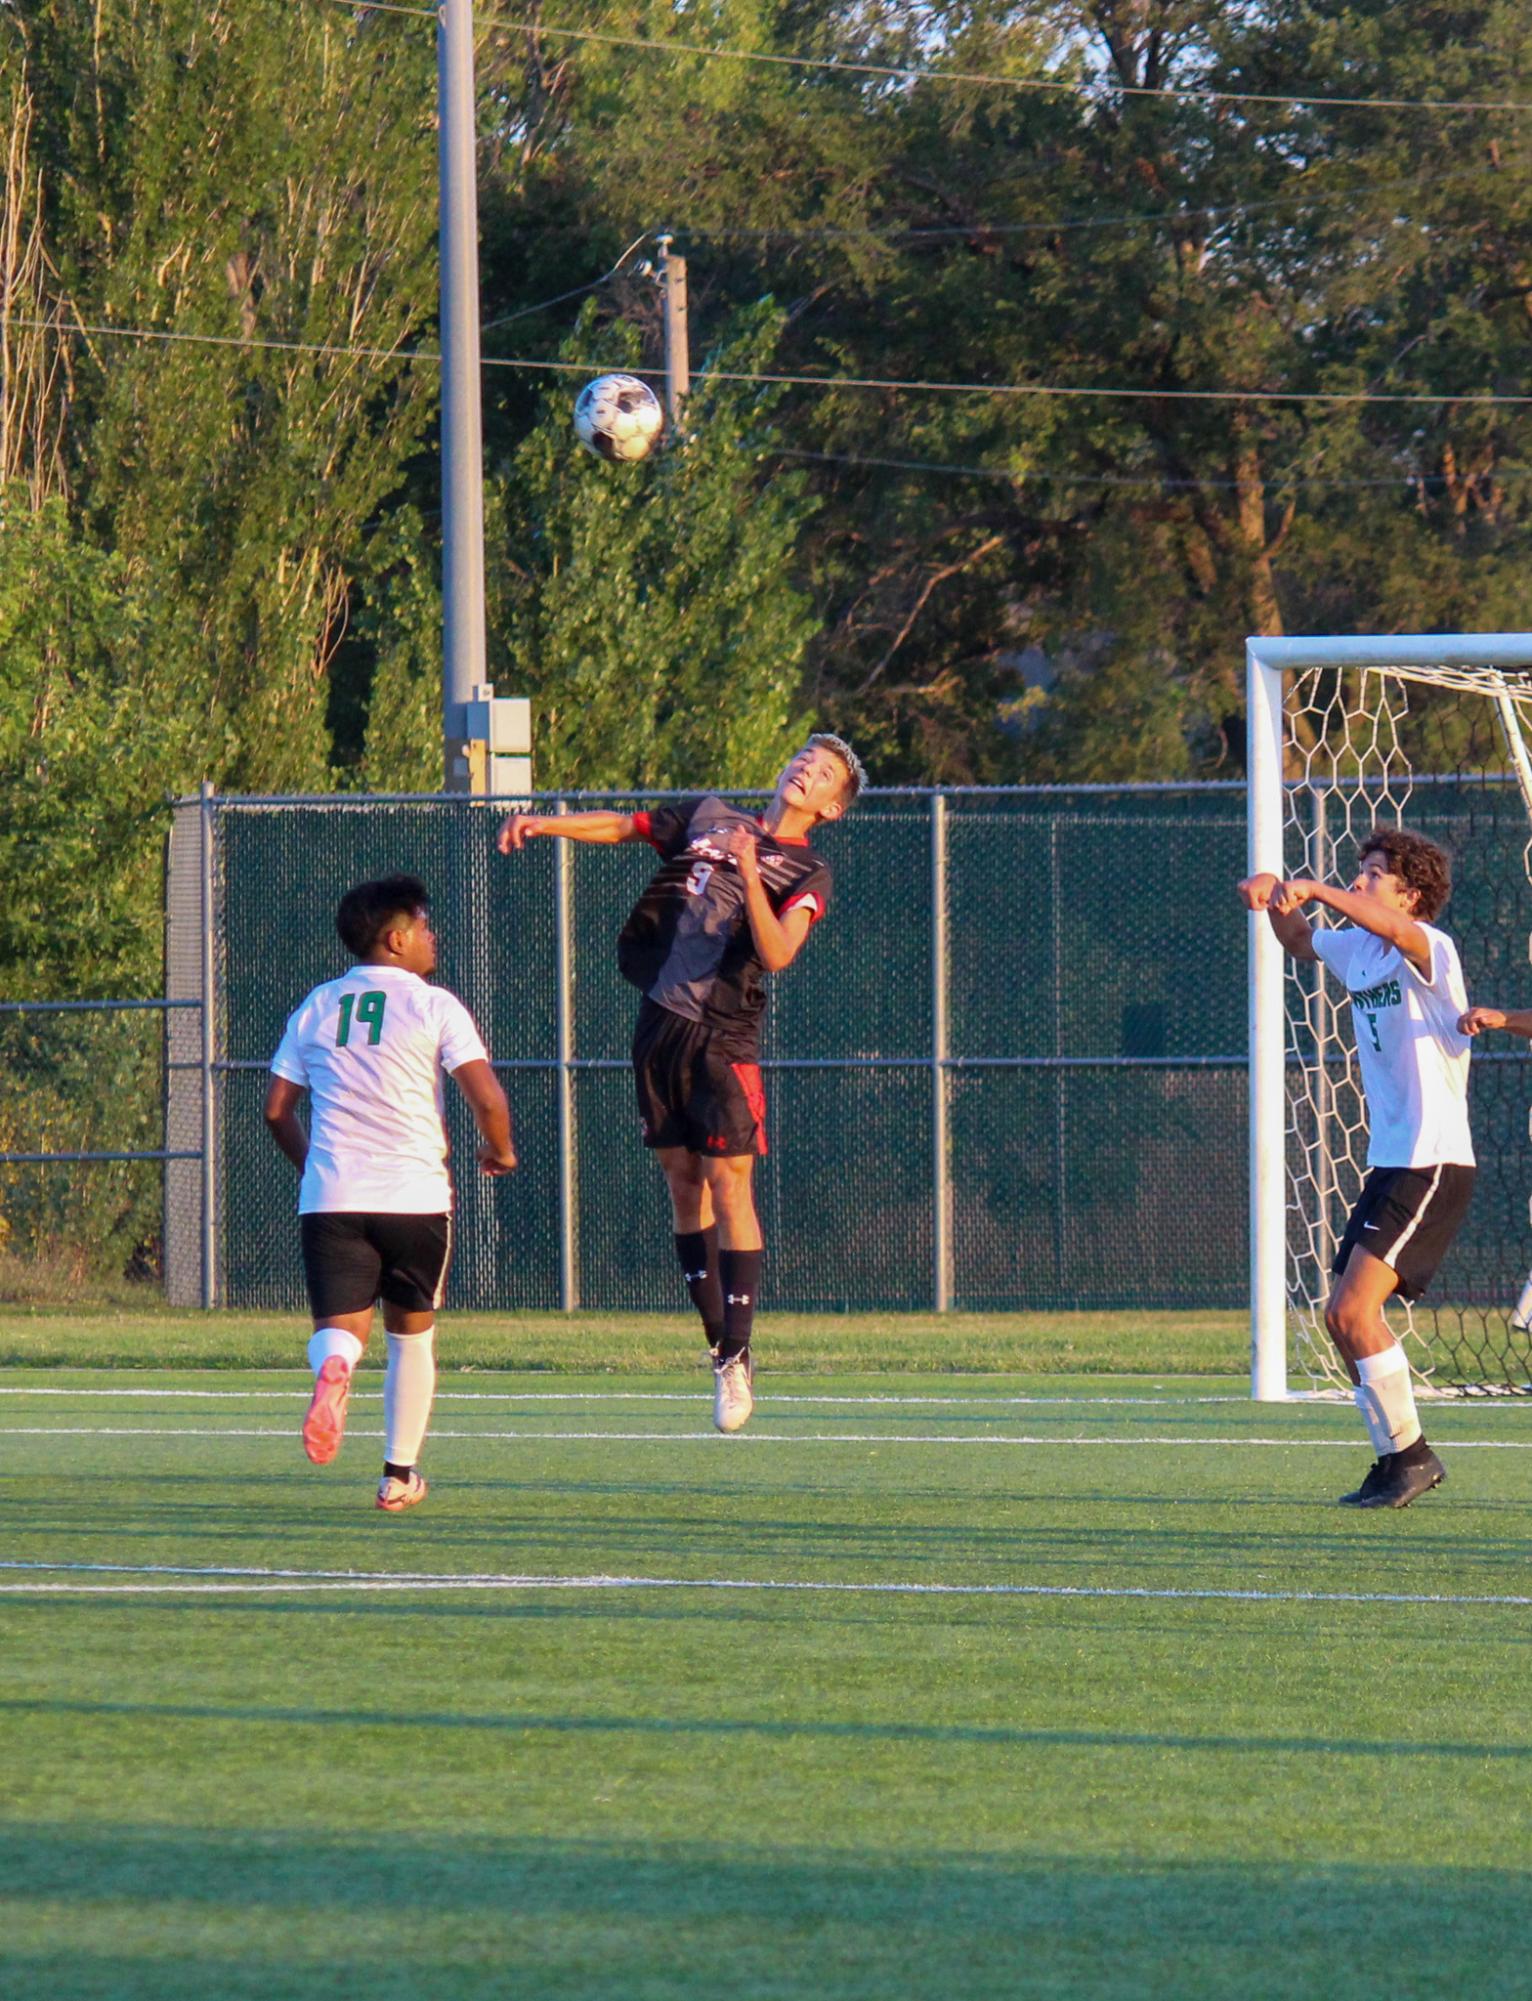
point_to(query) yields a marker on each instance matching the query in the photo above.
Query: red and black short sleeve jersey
(687, 944)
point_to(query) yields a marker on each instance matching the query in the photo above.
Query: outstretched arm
(1394, 927)
(282, 1120)
(1515, 1021)
(605, 829)
(491, 1114)
(1258, 892)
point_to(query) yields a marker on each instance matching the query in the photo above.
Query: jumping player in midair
(734, 899)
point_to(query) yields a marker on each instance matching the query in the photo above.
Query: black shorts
(352, 1258)
(1407, 1216)
(691, 1092)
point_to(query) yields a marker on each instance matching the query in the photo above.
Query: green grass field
(926, 1685)
(116, 1337)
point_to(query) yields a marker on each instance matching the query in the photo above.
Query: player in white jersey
(375, 1202)
(1407, 998)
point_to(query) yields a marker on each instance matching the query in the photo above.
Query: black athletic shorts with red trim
(692, 1092)
(1407, 1216)
(353, 1258)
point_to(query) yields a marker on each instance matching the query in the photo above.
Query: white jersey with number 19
(370, 1048)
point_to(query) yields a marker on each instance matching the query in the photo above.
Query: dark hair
(1419, 864)
(368, 910)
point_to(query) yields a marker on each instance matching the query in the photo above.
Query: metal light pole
(463, 654)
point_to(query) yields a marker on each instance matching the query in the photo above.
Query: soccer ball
(618, 417)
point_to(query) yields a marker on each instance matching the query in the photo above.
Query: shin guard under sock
(698, 1252)
(409, 1387)
(741, 1275)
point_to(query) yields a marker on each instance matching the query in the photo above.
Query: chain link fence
(1007, 1072)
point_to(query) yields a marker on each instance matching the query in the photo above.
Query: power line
(898, 73)
(170, 334)
(895, 385)
(578, 291)
(384, 7)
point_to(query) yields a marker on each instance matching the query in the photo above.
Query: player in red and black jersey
(734, 899)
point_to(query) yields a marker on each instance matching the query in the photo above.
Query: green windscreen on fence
(1091, 969)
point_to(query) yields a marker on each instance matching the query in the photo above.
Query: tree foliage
(1188, 280)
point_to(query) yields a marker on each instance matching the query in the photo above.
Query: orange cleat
(325, 1425)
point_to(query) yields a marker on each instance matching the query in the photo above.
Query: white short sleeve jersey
(1414, 1061)
(371, 1048)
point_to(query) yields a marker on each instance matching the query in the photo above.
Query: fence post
(569, 1189)
(941, 1228)
(209, 1053)
(1060, 1075)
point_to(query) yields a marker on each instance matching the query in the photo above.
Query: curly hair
(1419, 864)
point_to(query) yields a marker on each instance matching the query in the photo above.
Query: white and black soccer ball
(618, 417)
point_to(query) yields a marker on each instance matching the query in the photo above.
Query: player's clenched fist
(1290, 896)
(740, 845)
(1481, 1017)
(1255, 891)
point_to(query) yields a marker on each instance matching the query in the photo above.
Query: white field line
(167, 1578)
(760, 1437)
(627, 1396)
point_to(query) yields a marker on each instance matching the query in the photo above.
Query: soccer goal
(1345, 734)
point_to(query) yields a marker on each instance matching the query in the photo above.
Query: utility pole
(678, 377)
(462, 478)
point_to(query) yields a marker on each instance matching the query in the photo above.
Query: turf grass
(1066, 1764)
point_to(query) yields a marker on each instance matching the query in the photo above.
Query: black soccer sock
(391, 1471)
(698, 1252)
(741, 1275)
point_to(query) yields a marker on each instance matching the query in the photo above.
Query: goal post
(1341, 734)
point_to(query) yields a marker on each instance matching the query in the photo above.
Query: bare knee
(730, 1182)
(690, 1200)
(734, 1200)
(1346, 1320)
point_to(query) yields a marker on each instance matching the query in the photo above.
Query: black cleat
(1404, 1477)
(1373, 1482)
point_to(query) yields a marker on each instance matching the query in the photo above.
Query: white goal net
(1347, 735)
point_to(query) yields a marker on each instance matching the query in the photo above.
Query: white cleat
(395, 1495)
(733, 1399)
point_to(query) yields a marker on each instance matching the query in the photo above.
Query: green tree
(251, 173)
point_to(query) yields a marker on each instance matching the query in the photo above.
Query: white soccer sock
(408, 1387)
(1386, 1384)
(328, 1341)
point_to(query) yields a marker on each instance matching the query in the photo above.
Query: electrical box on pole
(678, 379)
(498, 733)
